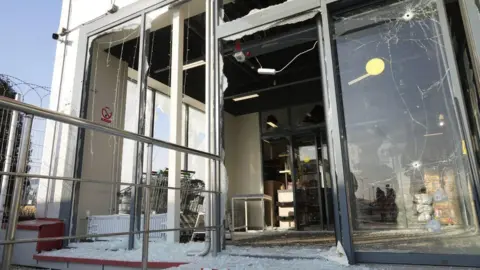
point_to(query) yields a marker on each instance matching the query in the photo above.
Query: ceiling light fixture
(272, 121)
(272, 124)
(272, 71)
(246, 97)
(193, 65)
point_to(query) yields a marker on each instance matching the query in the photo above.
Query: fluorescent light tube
(267, 71)
(245, 97)
(272, 124)
(194, 65)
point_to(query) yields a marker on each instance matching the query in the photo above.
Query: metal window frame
(354, 256)
(86, 32)
(278, 13)
(471, 19)
(338, 153)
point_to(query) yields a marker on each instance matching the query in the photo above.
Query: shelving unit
(286, 209)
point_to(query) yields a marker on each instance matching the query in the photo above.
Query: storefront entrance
(403, 170)
(306, 203)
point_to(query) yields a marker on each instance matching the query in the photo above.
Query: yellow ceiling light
(374, 67)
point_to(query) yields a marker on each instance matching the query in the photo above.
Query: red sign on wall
(106, 114)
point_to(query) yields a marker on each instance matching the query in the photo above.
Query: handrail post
(147, 207)
(9, 155)
(17, 192)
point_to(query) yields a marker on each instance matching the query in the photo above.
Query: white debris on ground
(233, 258)
(249, 257)
(240, 262)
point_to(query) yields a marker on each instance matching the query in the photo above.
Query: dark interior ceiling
(273, 48)
(239, 8)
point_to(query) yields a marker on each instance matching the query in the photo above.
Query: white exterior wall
(243, 161)
(102, 155)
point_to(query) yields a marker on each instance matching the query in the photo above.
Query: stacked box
(448, 212)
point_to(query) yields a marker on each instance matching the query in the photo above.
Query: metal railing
(30, 112)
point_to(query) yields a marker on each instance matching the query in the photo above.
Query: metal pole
(339, 171)
(17, 192)
(94, 181)
(217, 109)
(209, 6)
(48, 239)
(146, 217)
(8, 157)
(176, 90)
(135, 197)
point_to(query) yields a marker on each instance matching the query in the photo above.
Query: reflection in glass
(410, 178)
(161, 131)
(197, 140)
(307, 115)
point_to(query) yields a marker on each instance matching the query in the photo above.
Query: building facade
(391, 102)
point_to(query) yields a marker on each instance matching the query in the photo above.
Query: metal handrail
(87, 124)
(46, 239)
(73, 179)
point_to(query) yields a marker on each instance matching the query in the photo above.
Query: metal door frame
(275, 14)
(135, 10)
(340, 154)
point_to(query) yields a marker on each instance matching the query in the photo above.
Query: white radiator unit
(121, 223)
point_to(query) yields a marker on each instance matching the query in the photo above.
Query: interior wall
(102, 153)
(243, 161)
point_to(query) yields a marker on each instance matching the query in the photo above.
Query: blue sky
(27, 50)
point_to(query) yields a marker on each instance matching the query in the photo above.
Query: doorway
(274, 76)
(295, 176)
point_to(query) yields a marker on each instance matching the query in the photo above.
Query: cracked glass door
(411, 178)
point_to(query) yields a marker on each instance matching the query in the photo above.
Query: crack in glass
(404, 140)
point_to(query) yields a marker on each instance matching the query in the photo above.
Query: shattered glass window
(232, 10)
(410, 176)
(112, 100)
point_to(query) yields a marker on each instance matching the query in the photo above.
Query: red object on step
(134, 264)
(46, 228)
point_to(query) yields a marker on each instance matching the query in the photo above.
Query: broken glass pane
(410, 177)
(232, 10)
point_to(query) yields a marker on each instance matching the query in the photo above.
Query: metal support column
(17, 192)
(136, 199)
(458, 96)
(339, 168)
(8, 157)
(146, 220)
(176, 90)
(210, 113)
(148, 178)
(217, 112)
